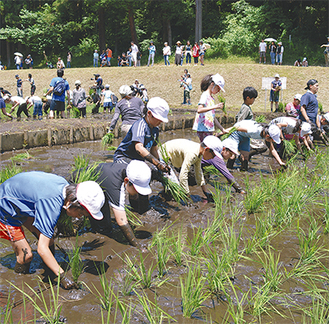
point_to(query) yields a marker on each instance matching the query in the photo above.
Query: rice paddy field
(261, 257)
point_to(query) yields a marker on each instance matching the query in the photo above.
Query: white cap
(107, 86)
(6, 97)
(215, 144)
(159, 108)
(90, 195)
(304, 59)
(326, 117)
(218, 80)
(305, 129)
(275, 133)
(231, 144)
(139, 174)
(125, 90)
(298, 96)
(277, 76)
(77, 82)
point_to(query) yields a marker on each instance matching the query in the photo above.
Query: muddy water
(81, 306)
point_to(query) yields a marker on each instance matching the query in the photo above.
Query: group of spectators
(276, 52)
(19, 60)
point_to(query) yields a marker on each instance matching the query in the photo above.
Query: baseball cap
(159, 108)
(231, 144)
(277, 76)
(215, 144)
(90, 195)
(275, 133)
(218, 80)
(107, 86)
(77, 82)
(6, 97)
(139, 174)
(16, 76)
(326, 116)
(305, 129)
(310, 82)
(96, 75)
(298, 96)
(125, 90)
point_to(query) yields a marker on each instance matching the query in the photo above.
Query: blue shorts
(107, 105)
(2, 103)
(274, 96)
(57, 105)
(242, 141)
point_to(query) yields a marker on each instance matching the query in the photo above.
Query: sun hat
(298, 96)
(178, 42)
(218, 80)
(304, 59)
(107, 86)
(77, 82)
(275, 133)
(159, 108)
(280, 43)
(90, 195)
(139, 174)
(305, 129)
(231, 144)
(214, 143)
(16, 76)
(326, 117)
(309, 83)
(277, 76)
(125, 90)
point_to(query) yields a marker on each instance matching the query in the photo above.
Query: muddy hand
(67, 282)
(210, 197)
(163, 167)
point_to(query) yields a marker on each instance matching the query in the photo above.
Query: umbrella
(270, 39)
(18, 54)
(207, 46)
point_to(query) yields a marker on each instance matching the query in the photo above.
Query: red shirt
(195, 51)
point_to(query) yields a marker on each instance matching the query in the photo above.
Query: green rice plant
(177, 248)
(81, 171)
(76, 112)
(193, 291)
(326, 215)
(124, 309)
(111, 148)
(132, 218)
(107, 139)
(321, 108)
(126, 283)
(153, 313)
(163, 246)
(260, 119)
(176, 190)
(289, 147)
(230, 239)
(317, 312)
(105, 296)
(225, 136)
(51, 310)
(210, 170)
(196, 242)
(75, 262)
(223, 100)
(6, 316)
(281, 106)
(9, 171)
(163, 152)
(22, 156)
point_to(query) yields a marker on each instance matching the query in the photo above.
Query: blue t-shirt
(32, 194)
(311, 106)
(19, 83)
(152, 49)
(139, 132)
(67, 87)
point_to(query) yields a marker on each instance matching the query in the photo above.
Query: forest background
(230, 27)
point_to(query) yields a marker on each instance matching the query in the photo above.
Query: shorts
(57, 105)
(187, 94)
(2, 103)
(11, 233)
(242, 141)
(262, 54)
(108, 105)
(274, 96)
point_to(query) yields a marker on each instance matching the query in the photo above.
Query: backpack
(190, 86)
(59, 88)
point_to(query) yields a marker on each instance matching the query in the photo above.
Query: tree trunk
(168, 24)
(198, 20)
(8, 53)
(101, 28)
(132, 26)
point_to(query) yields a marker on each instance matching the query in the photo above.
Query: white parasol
(270, 39)
(18, 54)
(207, 46)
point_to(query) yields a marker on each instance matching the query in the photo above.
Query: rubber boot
(244, 165)
(230, 163)
(22, 268)
(129, 235)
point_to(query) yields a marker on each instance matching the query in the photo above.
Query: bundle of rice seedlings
(260, 119)
(289, 147)
(320, 108)
(223, 100)
(81, 171)
(9, 172)
(132, 218)
(107, 139)
(177, 191)
(111, 148)
(22, 156)
(76, 112)
(225, 136)
(164, 153)
(211, 170)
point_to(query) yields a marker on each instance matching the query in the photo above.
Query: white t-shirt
(262, 47)
(253, 129)
(134, 49)
(15, 99)
(33, 100)
(107, 95)
(285, 120)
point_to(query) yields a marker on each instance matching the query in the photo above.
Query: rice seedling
(317, 312)
(153, 313)
(6, 316)
(260, 119)
(76, 112)
(177, 191)
(132, 218)
(75, 262)
(163, 152)
(289, 147)
(50, 311)
(22, 156)
(81, 171)
(225, 136)
(111, 148)
(126, 283)
(223, 100)
(124, 309)
(320, 108)
(107, 139)
(196, 242)
(192, 291)
(230, 240)
(281, 106)
(177, 247)
(105, 296)
(9, 171)
(326, 215)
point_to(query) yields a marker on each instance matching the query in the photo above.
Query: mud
(81, 306)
